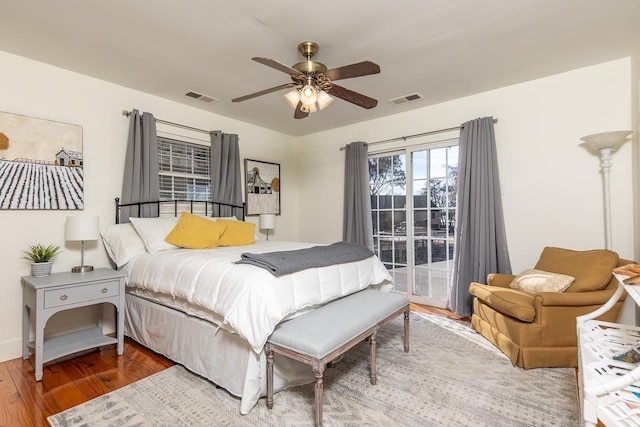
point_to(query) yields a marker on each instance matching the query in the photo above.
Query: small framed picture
(262, 183)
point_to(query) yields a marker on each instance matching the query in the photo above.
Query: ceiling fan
(313, 83)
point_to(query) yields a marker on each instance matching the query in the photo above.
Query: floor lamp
(606, 143)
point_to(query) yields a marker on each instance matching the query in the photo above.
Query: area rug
(451, 377)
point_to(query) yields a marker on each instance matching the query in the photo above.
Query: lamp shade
(82, 228)
(309, 108)
(324, 99)
(613, 140)
(267, 221)
(292, 97)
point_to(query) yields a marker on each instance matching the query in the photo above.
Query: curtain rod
(416, 135)
(178, 125)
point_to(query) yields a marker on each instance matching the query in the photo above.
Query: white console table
(45, 296)
(602, 380)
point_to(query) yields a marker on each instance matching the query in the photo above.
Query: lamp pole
(605, 165)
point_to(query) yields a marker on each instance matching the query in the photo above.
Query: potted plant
(40, 257)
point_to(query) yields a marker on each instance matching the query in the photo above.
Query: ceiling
(442, 49)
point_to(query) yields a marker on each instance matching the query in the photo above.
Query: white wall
(39, 90)
(551, 186)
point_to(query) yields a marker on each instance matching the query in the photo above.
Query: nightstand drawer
(75, 294)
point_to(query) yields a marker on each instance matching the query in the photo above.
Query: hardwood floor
(71, 381)
(439, 311)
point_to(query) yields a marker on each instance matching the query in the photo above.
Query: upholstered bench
(320, 336)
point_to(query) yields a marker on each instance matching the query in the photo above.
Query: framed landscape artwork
(41, 164)
(263, 187)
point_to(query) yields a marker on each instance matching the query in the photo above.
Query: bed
(202, 309)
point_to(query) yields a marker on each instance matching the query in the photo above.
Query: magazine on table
(630, 355)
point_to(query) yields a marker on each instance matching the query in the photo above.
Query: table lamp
(267, 222)
(82, 228)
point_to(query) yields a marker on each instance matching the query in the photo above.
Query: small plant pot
(41, 269)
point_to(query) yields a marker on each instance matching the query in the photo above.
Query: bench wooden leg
(269, 353)
(372, 342)
(406, 330)
(318, 372)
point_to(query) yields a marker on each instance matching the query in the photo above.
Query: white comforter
(249, 299)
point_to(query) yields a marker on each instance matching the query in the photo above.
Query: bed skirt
(209, 351)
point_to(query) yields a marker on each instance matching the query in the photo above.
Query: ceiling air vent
(200, 97)
(406, 98)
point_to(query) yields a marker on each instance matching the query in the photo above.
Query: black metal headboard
(202, 207)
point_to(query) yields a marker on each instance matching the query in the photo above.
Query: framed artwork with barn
(262, 182)
(41, 164)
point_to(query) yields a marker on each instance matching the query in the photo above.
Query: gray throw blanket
(286, 262)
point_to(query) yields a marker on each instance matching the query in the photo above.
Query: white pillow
(152, 231)
(536, 281)
(122, 243)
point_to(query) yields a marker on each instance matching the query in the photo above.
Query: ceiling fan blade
(363, 68)
(263, 92)
(277, 65)
(299, 114)
(353, 97)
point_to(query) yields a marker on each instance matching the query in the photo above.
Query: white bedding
(249, 300)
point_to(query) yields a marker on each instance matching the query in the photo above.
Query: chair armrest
(576, 299)
(511, 302)
(499, 279)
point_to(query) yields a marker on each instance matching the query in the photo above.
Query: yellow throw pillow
(237, 233)
(195, 232)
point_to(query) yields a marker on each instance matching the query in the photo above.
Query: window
(184, 170)
(387, 180)
(413, 204)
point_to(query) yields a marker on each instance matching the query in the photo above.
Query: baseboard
(10, 350)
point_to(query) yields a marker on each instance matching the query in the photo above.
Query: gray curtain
(226, 185)
(480, 243)
(357, 225)
(141, 182)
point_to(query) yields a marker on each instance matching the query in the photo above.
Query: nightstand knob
(104, 290)
(63, 297)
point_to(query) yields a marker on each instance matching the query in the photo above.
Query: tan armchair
(539, 330)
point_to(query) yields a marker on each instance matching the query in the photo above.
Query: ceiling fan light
(308, 95)
(292, 97)
(324, 99)
(308, 108)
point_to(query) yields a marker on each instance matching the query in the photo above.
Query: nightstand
(43, 297)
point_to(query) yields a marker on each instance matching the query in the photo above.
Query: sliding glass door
(413, 203)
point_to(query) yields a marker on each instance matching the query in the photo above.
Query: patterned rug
(451, 377)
